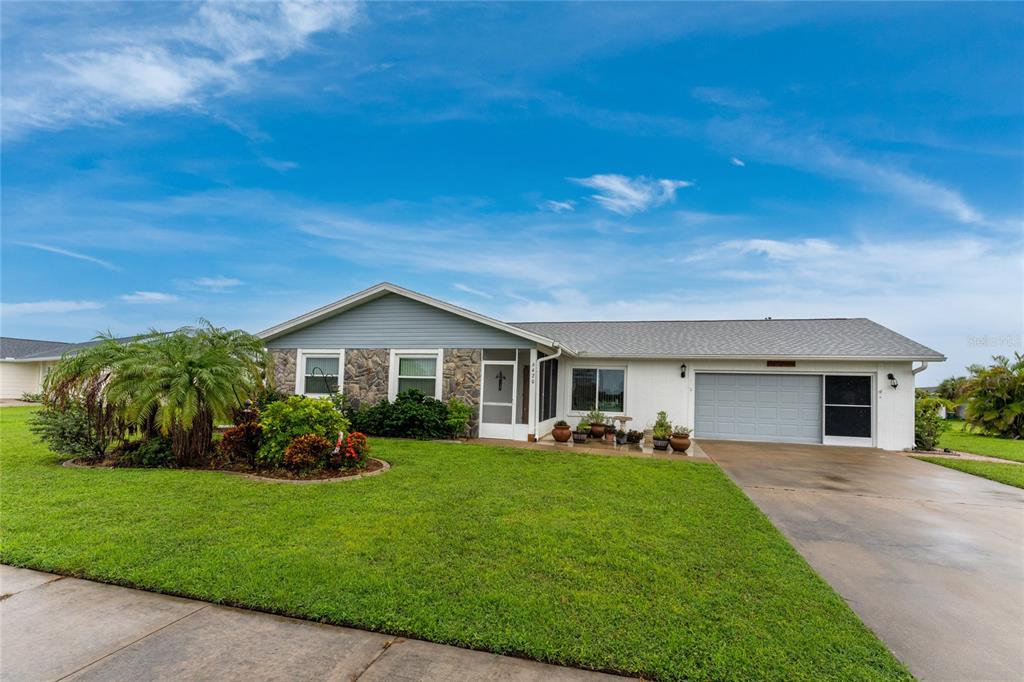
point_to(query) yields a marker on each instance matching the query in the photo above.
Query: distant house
(833, 381)
(25, 362)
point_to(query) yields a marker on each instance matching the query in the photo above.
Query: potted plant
(661, 431)
(561, 432)
(609, 431)
(680, 438)
(596, 421)
(581, 433)
(620, 437)
(633, 437)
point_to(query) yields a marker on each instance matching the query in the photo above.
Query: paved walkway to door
(55, 628)
(930, 558)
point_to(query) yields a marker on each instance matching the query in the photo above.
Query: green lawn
(1010, 474)
(956, 438)
(657, 568)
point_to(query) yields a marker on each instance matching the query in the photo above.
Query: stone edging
(266, 479)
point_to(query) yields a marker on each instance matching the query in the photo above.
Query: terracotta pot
(679, 443)
(561, 434)
(597, 430)
(660, 444)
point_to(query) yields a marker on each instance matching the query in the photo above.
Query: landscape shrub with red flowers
(351, 452)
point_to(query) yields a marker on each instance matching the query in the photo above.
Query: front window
(598, 389)
(320, 374)
(419, 373)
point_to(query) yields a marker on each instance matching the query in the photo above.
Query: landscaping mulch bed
(373, 466)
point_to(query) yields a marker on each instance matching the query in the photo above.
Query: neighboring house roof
(21, 349)
(838, 338)
(33, 350)
(383, 289)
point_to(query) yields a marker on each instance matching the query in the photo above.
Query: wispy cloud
(215, 284)
(737, 162)
(558, 206)
(626, 196)
(782, 250)
(70, 254)
(730, 98)
(204, 51)
(149, 297)
(51, 307)
(471, 290)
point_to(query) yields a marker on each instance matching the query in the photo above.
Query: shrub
(308, 451)
(928, 425)
(286, 420)
(412, 415)
(239, 444)
(352, 453)
(459, 414)
(662, 428)
(996, 397)
(247, 414)
(32, 397)
(584, 425)
(594, 417)
(67, 431)
(151, 452)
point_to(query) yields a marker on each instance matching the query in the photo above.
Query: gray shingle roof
(825, 338)
(20, 349)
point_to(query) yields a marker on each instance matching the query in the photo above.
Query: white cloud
(626, 196)
(216, 284)
(558, 206)
(204, 52)
(149, 297)
(782, 250)
(50, 307)
(737, 162)
(471, 290)
(70, 254)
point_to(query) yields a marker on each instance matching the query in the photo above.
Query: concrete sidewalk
(55, 628)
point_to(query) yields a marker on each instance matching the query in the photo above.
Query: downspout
(536, 408)
(918, 370)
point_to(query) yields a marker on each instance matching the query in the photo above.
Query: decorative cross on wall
(500, 376)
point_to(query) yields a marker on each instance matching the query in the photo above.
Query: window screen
(418, 373)
(848, 406)
(321, 375)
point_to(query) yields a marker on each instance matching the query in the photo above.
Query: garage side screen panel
(848, 406)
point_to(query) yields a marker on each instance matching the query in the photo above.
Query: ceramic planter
(579, 437)
(561, 434)
(597, 430)
(660, 443)
(679, 443)
(620, 439)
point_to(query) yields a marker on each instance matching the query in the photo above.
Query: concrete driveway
(931, 559)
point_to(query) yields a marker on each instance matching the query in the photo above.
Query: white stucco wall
(653, 385)
(17, 378)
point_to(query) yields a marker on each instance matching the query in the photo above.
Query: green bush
(662, 428)
(412, 415)
(307, 452)
(67, 431)
(286, 420)
(996, 397)
(928, 425)
(151, 452)
(459, 414)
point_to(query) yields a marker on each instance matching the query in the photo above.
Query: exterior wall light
(892, 381)
(682, 371)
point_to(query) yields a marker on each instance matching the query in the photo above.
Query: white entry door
(497, 403)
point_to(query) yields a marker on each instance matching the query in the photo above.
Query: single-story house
(24, 363)
(841, 381)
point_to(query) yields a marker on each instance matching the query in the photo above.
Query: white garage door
(766, 407)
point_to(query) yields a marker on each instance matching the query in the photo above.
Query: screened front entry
(504, 401)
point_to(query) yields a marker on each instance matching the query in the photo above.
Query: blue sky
(246, 163)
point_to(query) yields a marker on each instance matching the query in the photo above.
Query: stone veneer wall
(461, 378)
(284, 369)
(366, 375)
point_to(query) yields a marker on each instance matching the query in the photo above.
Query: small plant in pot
(596, 421)
(680, 438)
(620, 437)
(581, 432)
(634, 437)
(561, 432)
(661, 431)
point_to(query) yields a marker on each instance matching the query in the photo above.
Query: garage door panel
(772, 407)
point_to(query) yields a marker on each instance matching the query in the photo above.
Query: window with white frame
(319, 371)
(420, 370)
(598, 388)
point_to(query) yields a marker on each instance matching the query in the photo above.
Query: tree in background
(996, 397)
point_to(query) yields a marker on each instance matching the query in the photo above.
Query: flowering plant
(352, 451)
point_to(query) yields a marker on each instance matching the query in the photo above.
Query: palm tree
(185, 380)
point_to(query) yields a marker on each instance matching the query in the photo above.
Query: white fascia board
(814, 358)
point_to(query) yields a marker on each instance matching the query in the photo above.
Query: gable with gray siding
(393, 321)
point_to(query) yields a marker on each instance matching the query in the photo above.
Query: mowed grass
(654, 568)
(959, 439)
(1010, 474)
